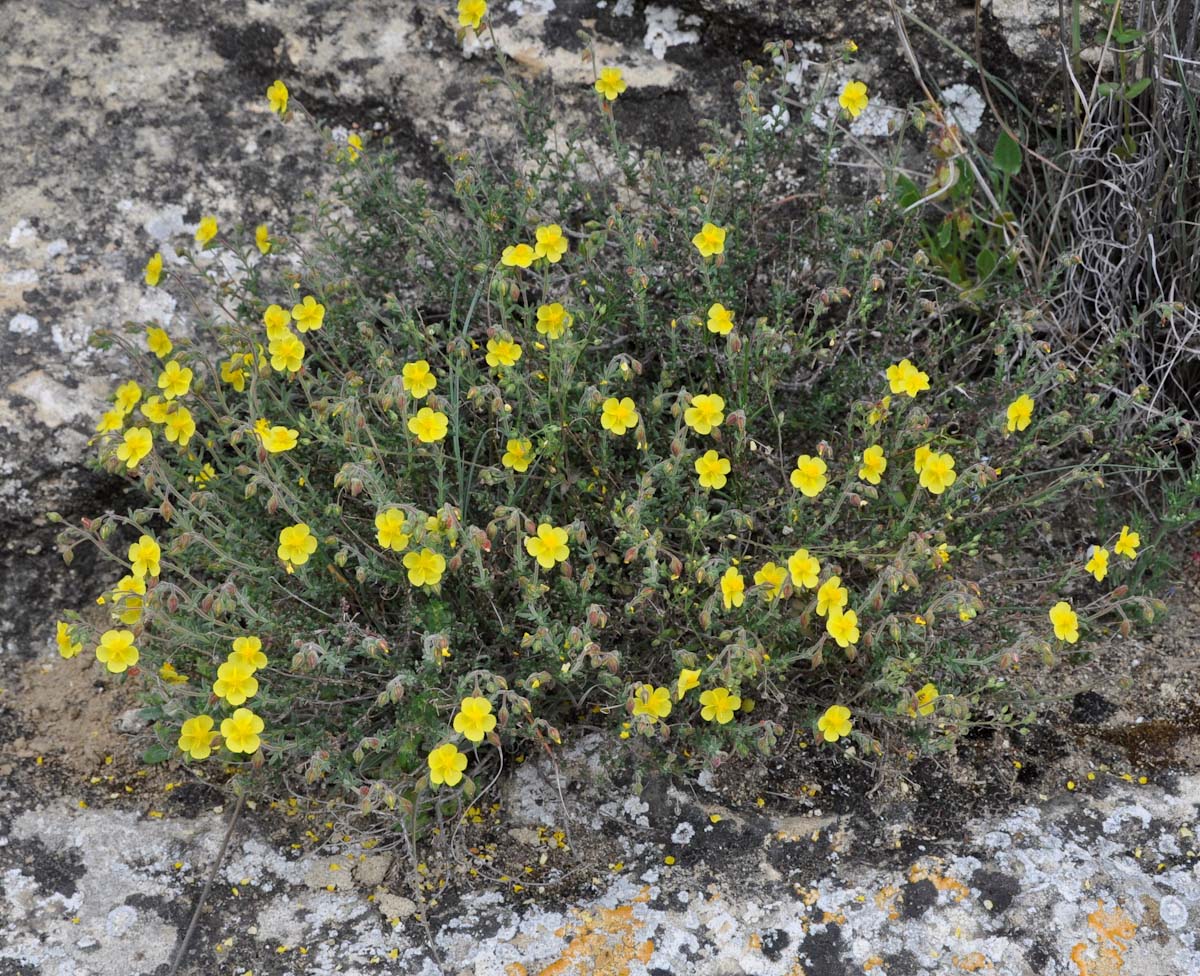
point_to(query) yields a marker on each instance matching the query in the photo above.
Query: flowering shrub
(619, 446)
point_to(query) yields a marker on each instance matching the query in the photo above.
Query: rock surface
(1102, 882)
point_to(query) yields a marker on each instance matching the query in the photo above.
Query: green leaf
(1136, 88)
(1007, 155)
(1128, 35)
(985, 262)
(157, 753)
(908, 192)
(1108, 88)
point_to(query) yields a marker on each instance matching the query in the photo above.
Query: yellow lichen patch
(872, 963)
(755, 941)
(603, 943)
(836, 917)
(1110, 926)
(515, 969)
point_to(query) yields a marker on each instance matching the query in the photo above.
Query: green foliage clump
(531, 528)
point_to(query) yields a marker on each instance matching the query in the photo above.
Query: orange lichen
(873, 963)
(958, 890)
(755, 941)
(885, 900)
(603, 942)
(971, 963)
(515, 969)
(1110, 926)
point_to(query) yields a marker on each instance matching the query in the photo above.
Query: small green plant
(595, 442)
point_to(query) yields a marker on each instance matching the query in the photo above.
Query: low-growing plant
(594, 441)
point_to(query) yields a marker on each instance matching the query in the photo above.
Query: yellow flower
(706, 413)
(144, 557)
(196, 737)
(287, 353)
(471, 14)
(809, 477)
(67, 647)
(116, 651)
(611, 83)
(235, 682)
(128, 599)
(390, 526)
(113, 419)
(842, 626)
(733, 588)
(853, 98)
(1020, 413)
(446, 765)
(712, 469)
(689, 678)
(720, 319)
(831, 596)
(549, 546)
(1097, 563)
(296, 544)
(835, 723)
(172, 677)
(206, 230)
(249, 651)
(156, 409)
(517, 256)
(1065, 621)
(920, 456)
(518, 454)
(618, 416)
(154, 269)
(1127, 544)
(873, 465)
(804, 569)
(276, 320)
(551, 243)
(474, 719)
(651, 701)
(179, 426)
(262, 239)
(880, 411)
(127, 396)
(175, 380)
(418, 379)
(135, 446)
(354, 145)
(925, 696)
(233, 374)
(428, 425)
(277, 95)
(553, 320)
(278, 439)
(241, 731)
(904, 377)
(502, 352)
(937, 473)
(158, 342)
(710, 240)
(309, 314)
(425, 568)
(719, 704)
(773, 577)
